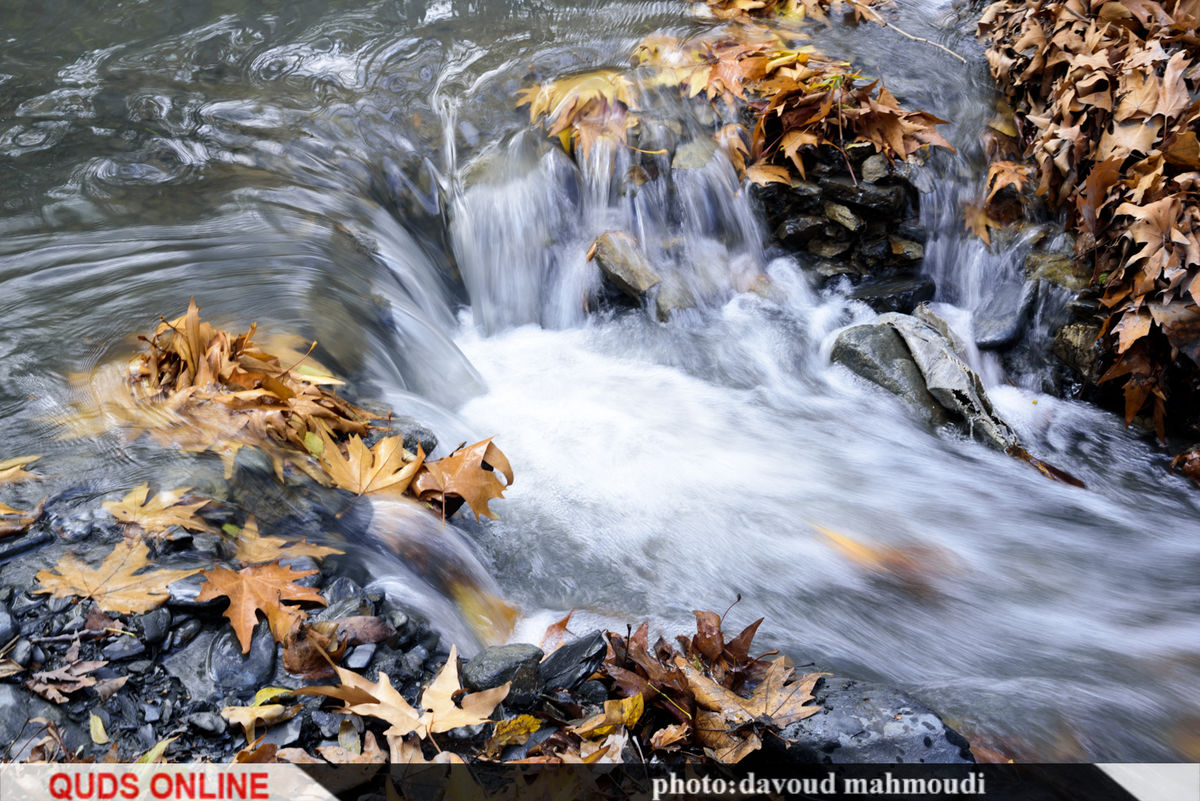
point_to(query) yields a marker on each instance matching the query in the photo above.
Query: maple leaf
(160, 513)
(259, 588)
(469, 473)
(438, 712)
(365, 470)
(250, 717)
(1003, 174)
(14, 521)
(978, 222)
(116, 585)
(255, 549)
(13, 470)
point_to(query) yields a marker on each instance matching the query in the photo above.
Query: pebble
(208, 723)
(285, 734)
(342, 588)
(22, 652)
(124, 648)
(185, 633)
(56, 605)
(360, 657)
(151, 713)
(183, 595)
(517, 663)
(23, 603)
(72, 621)
(140, 666)
(154, 625)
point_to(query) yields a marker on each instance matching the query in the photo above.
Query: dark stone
(827, 248)
(23, 603)
(897, 294)
(17, 707)
(517, 663)
(22, 652)
(208, 723)
(151, 713)
(861, 722)
(624, 266)
(230, 669)
(571, 665)
(140, 666)
(591, 692)
(8, 626)
(74, 620)
(154, 625)
(888, 199)
(185, 632)
(124, 648)
(796, 230)
(286, 733)
(416, 434)
(56, 605)
(913, 230)
(905, 251)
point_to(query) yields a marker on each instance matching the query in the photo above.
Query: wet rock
(592, 692)
(1004, 319)
(60, 604)
(888, 199)
(861, 722)
(184, 633)
(843, 216)
(1078, 346)
(74, 620)
(570, 665)
(874, 168)
(208, 723)
(8, 626)
(953, 385)
(878, 354)
(796, 230)
(23, 603)
(673, 296)
(124, 648)
(828, 248)
(906, 251)
(22, 652)
(623, 264)
(1056, 268)
(415, 434)
(151, 713)
(18, 735)
(341, 589)
(285, 734)
(894, 293)
(140, 666)
(359, 657)
(154, 625)
(518, 663)
(232, 670)
(694, 154)
(347, 607)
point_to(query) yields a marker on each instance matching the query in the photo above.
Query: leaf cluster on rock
(1105, 101)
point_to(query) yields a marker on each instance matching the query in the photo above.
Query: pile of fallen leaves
(1104, 95)
(201, 388)
(706, 698)
(799, 100)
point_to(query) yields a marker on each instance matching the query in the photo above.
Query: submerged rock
(955, 389)
(1004, 321)
(863, 722)
(623, 264)
(1078, 346)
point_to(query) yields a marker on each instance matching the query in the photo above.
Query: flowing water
(356, 173)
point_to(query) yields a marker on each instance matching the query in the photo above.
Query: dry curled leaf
(469, 473)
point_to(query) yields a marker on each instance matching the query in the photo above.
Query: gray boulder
(863, 722)
(955, 389)
(517, 663)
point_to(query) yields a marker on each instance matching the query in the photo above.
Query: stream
(356, 173)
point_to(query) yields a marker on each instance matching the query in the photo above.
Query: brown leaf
(260, 588)
(1002, 174)
(14, 521)
(250, 717)
(254, 549)
(13, 470)
(469, 473)
(159, 513)
(556, 634)
(310, 649)
(116, 585)
(55, 685)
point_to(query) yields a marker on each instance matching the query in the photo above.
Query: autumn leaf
(13, 470)
(158, 514)
(250, 717)
(1002, 174)
(469, 473)
(55, 685)
(116, 585)
(443, 713)
(253, 548)
(366, 753)
(259, 588)
(14, 521)
(363, 470)
(624, 712)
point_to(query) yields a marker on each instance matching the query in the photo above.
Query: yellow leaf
(254, 549)
(364, 470)
(249, 717)
(96, 728)
(12, 470)
(624, 712)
